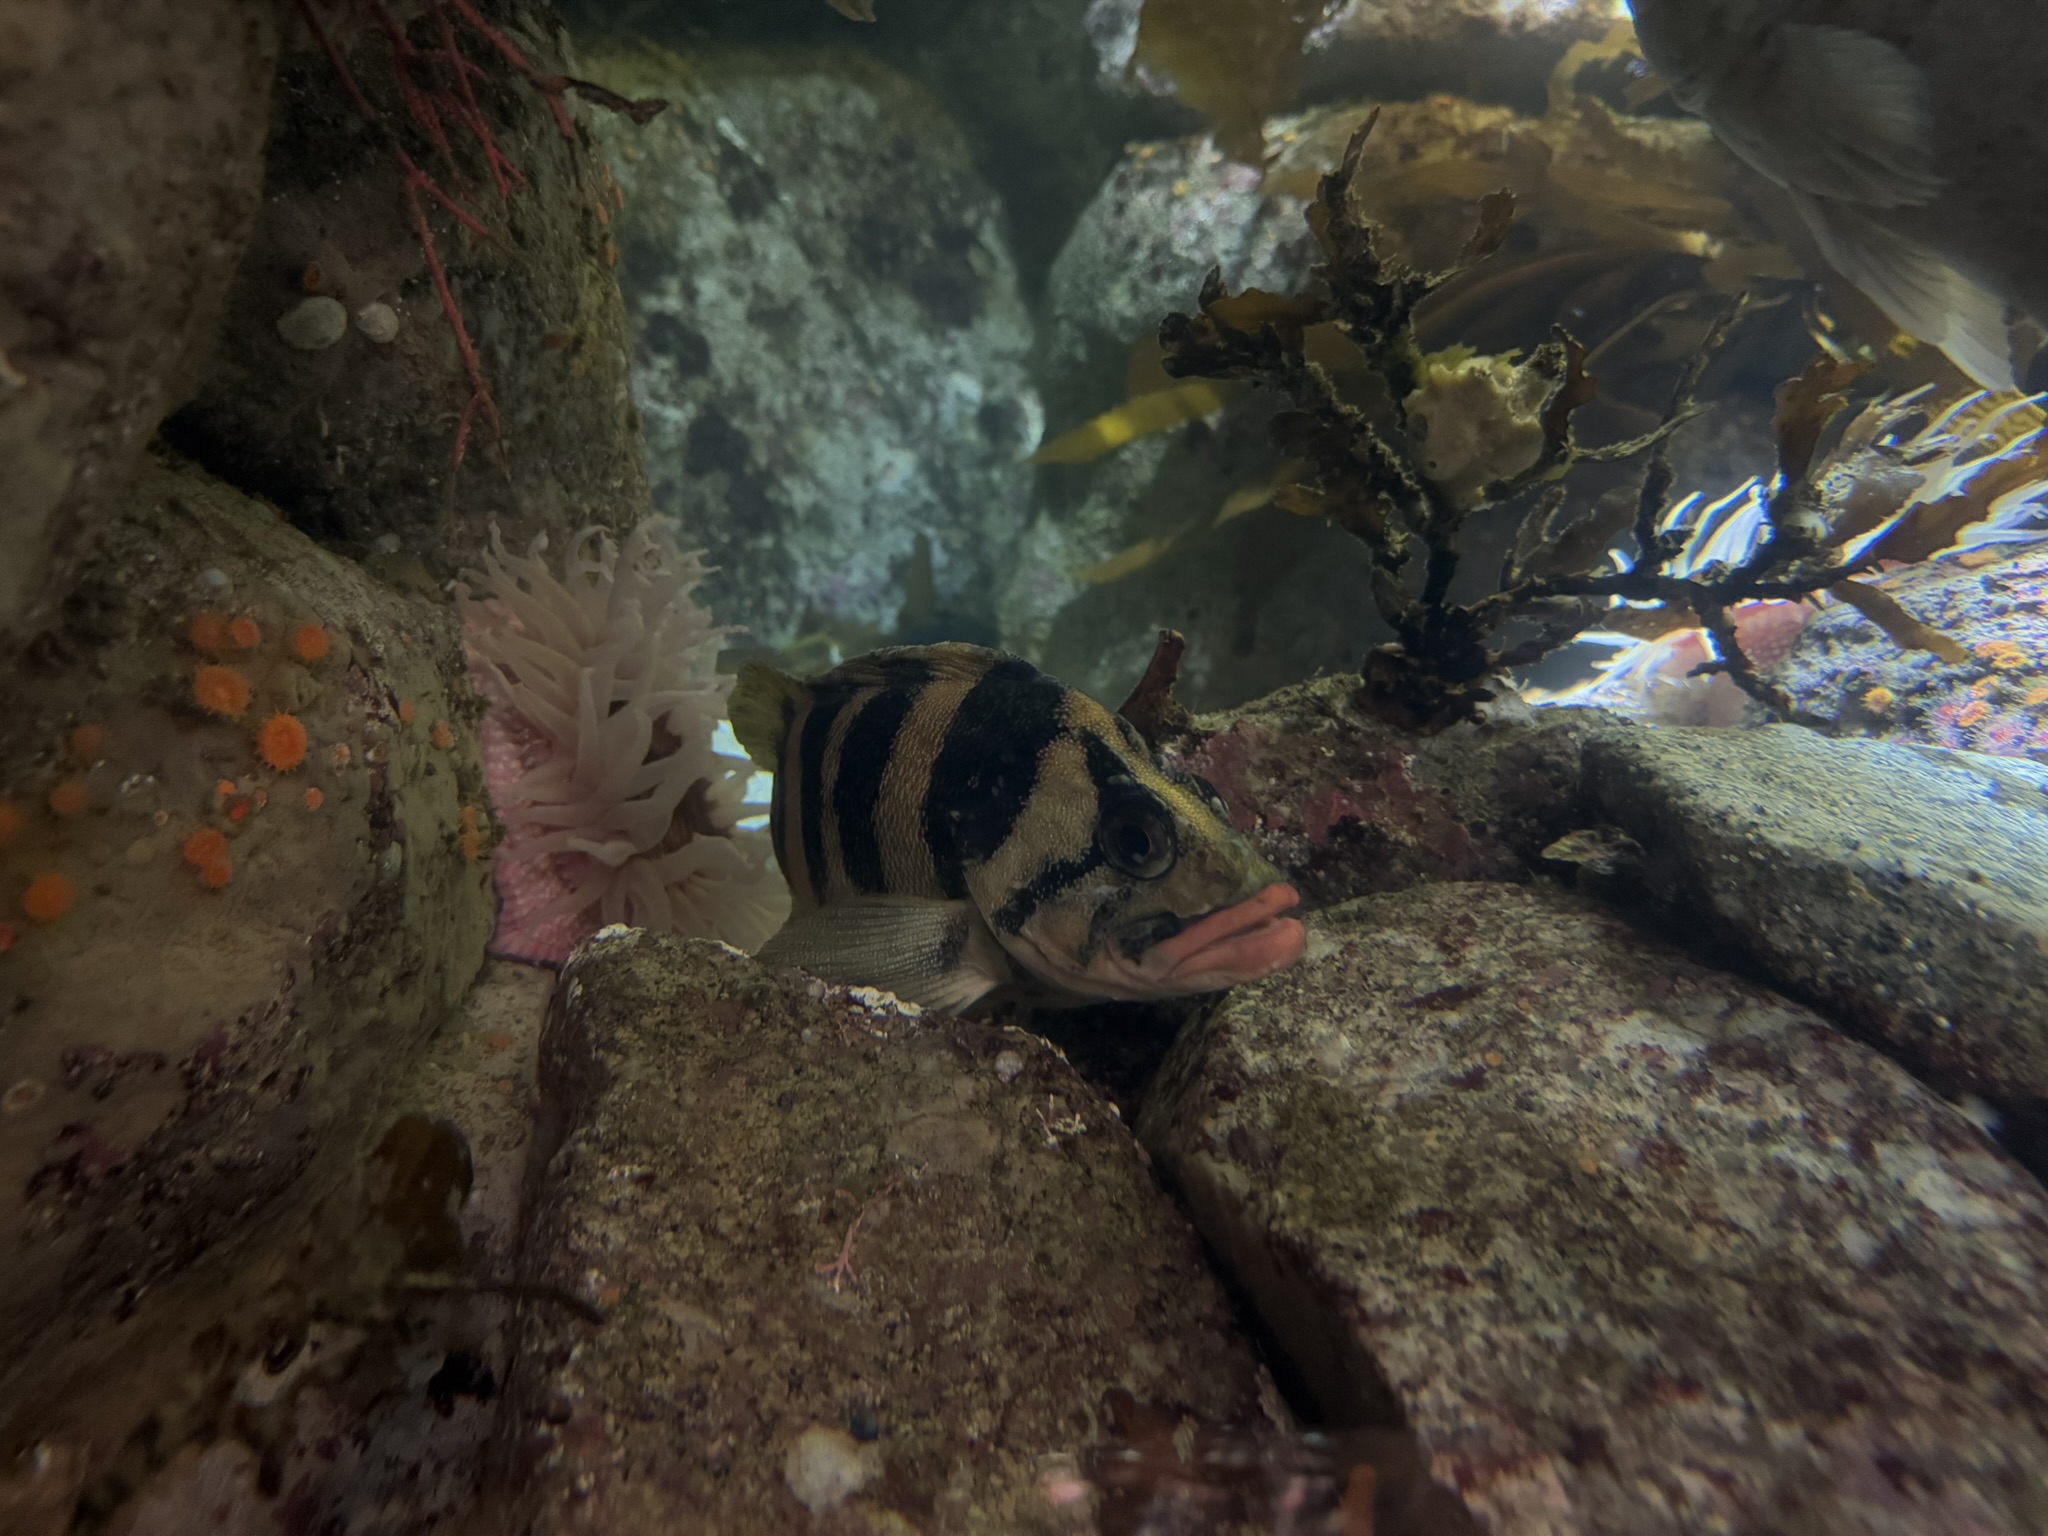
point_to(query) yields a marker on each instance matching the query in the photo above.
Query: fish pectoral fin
(937, 954)
(1831, 112)
(1920, 292)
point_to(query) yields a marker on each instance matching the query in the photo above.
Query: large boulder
(1636, 1247)
(830, 346)
(1903, 889)
(885, 1267)
(339, 387)
(243, 883)
(131, 138)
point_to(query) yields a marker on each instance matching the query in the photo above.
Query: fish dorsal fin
(937, 954)
(1921, 293)
(758, 709)
(1827, 111)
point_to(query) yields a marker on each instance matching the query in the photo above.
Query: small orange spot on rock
(87, 742)
(407, 712)
(209, 632)
(310, 643)
(69, 798)
(47, 898)
(498, 1040)
(282, 742)
(245, 634)
(1976, 712)
(217, 874)
(11, 822)
(314, 799)
(203, 847)
(441, 736)
(1589, 1165)
(1493, 1058)
(239, 811)
(221, 691)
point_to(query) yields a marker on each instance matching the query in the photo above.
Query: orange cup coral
(47, 898)
(69, 798)
(282, 742)
(221, 691)
(203, 847)
(310, 643)
(245, 634)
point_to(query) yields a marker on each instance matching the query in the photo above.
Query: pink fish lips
(1229, 946)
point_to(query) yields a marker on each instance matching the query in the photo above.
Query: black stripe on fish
(1048, 883)
(864, 756)
(985, 772)
(778, 823)
(826, 703)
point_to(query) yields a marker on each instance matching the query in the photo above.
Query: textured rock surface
(1845, 669)
(1903, 889)
(378, 1420)
(830, 344)
(183, 1065)
(1636, 1247)
(1488, 50)
(1011, 1260)
(1346, 805)
(356, 441)
(131, 136)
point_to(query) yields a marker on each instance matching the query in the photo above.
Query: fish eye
(1135, 834)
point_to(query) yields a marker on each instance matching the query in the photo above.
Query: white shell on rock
(825, 1467)
(313, 324)
(378, 321)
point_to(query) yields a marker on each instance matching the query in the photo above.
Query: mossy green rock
(1902, 889)
(715, 1138)
(1636, 1247)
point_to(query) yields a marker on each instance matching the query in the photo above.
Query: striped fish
(951, 820)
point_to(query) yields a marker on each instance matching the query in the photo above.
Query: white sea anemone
(604, 695)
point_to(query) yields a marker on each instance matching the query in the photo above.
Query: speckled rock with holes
(1636, 1247)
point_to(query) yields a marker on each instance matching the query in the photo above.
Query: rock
(1487, 50)
(1994, 604)
(132, 156)
(941, 1334)
(251, 957)
(1636, 1247)
(1901, 889)
(378, 322)
(314, 324)
(1345, 805)
(358, 441)
(830, 343)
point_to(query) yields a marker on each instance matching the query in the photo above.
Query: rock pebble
(313, 324)
(1637, 1248)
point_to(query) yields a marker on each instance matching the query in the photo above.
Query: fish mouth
(1230, 945)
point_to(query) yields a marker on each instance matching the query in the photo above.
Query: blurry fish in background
(1906, 132)
(951, 820)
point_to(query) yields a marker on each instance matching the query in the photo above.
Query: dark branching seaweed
(1557, 576)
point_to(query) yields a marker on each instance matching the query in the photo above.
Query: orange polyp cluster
(209, 632)
(203, 847)
(86, 743)
(282, 742)
(310, 643)
(47, 898)
(221, 691)
(69, 798)
(207, 851)
(473, 833)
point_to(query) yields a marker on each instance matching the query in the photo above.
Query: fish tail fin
(760, 708)
(1921, 293)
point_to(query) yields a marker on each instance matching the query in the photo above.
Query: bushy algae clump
(1457, 436)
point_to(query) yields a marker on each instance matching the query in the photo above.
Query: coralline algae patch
(1995, 702)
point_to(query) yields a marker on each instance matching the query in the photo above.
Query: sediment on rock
(1902, 889)
(849, 1257)
(1634, 1246)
